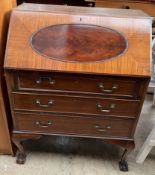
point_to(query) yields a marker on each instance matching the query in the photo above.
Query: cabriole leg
(17, 139)
(20, 155)
(123, 165)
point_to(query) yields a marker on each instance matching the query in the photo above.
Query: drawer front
(79, 84)
(56, 124)
(74, 104)
(145, 6)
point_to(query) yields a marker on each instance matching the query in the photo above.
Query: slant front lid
(78, 42)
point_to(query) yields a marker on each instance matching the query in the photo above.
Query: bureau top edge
(17, 70)
(106, 12)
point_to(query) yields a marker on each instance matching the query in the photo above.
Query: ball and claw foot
(21, 158)
(123, 166)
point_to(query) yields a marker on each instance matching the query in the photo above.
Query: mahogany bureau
(80, 72)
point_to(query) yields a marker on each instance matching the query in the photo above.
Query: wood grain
(79, 43)
(5, 143)
(136, 30)
(121, 87)
(83, 10)
(146, 6)
(74, 104)
(70, 125)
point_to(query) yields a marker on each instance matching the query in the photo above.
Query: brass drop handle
(50, 102)
(101, 129)
(114, 87)
(49, 123)
(112, 106)
(41, 79)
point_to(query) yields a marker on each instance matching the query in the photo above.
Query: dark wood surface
(78, 43)
(122, 87)
(74, 104)
(65, 103)
(71, 125)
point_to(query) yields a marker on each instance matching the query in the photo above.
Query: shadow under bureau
(77, 72)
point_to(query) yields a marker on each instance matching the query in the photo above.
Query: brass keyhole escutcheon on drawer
(49, 123)
(114, 88)
(50, 102)
(112, 106)
(41, 79)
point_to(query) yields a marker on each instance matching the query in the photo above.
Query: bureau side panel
(143, 91)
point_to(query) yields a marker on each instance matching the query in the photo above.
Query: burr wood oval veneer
(69, 42)
(80, 72)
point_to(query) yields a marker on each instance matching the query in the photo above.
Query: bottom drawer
(69, 125)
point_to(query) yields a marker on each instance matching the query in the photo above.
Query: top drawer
(76, 83)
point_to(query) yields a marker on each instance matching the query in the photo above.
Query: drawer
(74, 104)
(146, 6)
(73, 83)
(84, 126)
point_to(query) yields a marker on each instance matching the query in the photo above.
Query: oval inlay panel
(78, 43)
